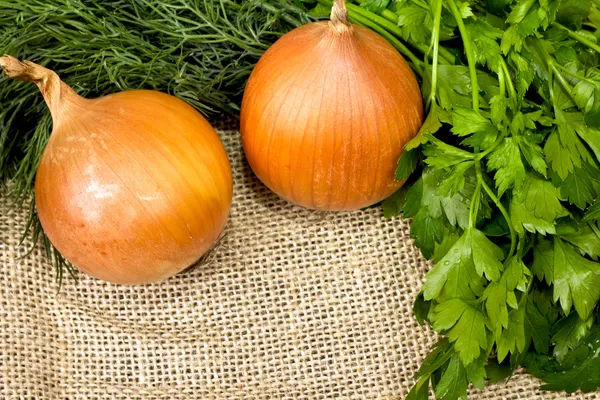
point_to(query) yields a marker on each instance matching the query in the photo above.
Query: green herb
(504, 200)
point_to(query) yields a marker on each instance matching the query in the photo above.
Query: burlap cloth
(294, 304)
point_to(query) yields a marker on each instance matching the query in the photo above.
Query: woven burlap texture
(293, 304)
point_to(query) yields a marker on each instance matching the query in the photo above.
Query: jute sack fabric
(293, 304)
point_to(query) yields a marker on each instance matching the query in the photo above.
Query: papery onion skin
(132, 187)
(326, 113)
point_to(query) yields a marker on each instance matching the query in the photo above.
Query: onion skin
(326, 113)
(131, 187)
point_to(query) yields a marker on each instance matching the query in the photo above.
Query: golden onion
(326, 113)
(132, 187)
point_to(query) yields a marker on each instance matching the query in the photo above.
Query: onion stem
(339, 12)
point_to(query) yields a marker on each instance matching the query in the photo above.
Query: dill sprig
(200, 51)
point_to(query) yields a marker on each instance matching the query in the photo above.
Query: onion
(326, 113)
(132, 187)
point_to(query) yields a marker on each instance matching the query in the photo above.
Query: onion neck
(339, 17)
(57, 94)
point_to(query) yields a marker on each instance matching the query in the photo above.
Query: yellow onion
(132, 187)
(326, 113)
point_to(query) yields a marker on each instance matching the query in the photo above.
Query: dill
(200, 51)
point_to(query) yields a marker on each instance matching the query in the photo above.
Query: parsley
(579, 369)
(503, 185)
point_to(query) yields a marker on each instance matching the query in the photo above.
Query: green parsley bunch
(504, 186)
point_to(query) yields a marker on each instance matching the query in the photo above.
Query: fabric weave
(292, 304)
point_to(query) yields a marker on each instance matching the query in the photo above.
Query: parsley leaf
(432, 124)
(466, 121)
(454, 86)
(565, 150)
(593, 212)
(443, 155)
(526, 17)
(472, 256)
(375, 5)
(512, 339)
(500, 294)
(426, 227)
(576, 279)
(506, 160)
(426, 230)
(466, 327)
(567, 332)
(589, 134)
(579, 369)
(536, 206)
(533, 154)
(453, 384)
(414, 22)
(537, 328)
(476, 372)
(543, 260)
(484, 37)
(580, 185)
(541, 198)
(586, 239)
(392, 206)
(406, 164)
(573, 12)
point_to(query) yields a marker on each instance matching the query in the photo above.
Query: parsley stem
(389, 21)
(417, 64)
(468, 51)
(561, 79)
(508, 79)
(421, 4)
(445, 55)
(490, 192)
(481, 156)
(551, 85)
(578, 37)
(501, 82)
(435, 42)
(573, 74)
(595, 229)
(475, 201)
